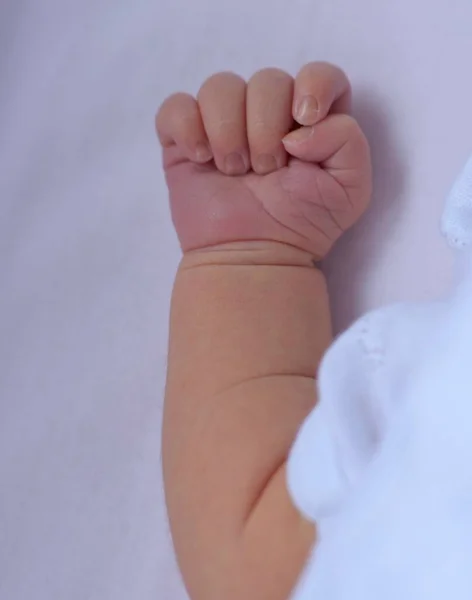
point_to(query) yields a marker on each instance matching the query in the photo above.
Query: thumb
(336, 143)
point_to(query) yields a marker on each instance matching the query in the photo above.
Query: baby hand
(275, 159)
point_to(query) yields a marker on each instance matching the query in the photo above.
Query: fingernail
(307, 111)
(235, 164)
(298, 136)
(203, 153)
(265, 163)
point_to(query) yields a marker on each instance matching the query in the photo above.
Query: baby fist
(276, 159)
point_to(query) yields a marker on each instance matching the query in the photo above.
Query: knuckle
(270, 74)
(179, 101)
(309, 70)
(176, 101)
(323, 66)
(219, 80)
(176, 116)
(180, 97)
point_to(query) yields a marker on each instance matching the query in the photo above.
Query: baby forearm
(245, 312)
(249, 325)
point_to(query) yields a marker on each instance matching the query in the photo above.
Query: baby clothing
(383, 464)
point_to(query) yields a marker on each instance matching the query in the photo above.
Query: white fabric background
(88, 252)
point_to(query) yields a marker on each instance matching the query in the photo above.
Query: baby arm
(248, 327)
(250, 314)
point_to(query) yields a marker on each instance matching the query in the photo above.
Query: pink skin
(322, 189)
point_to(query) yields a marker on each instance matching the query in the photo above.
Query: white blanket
(384, 463)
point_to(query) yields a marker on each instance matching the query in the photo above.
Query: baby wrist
(256, 253)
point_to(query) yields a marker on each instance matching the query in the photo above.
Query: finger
(179, 123)
(222, 101)
(320, 89)
(336, 143)
(269, 118)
